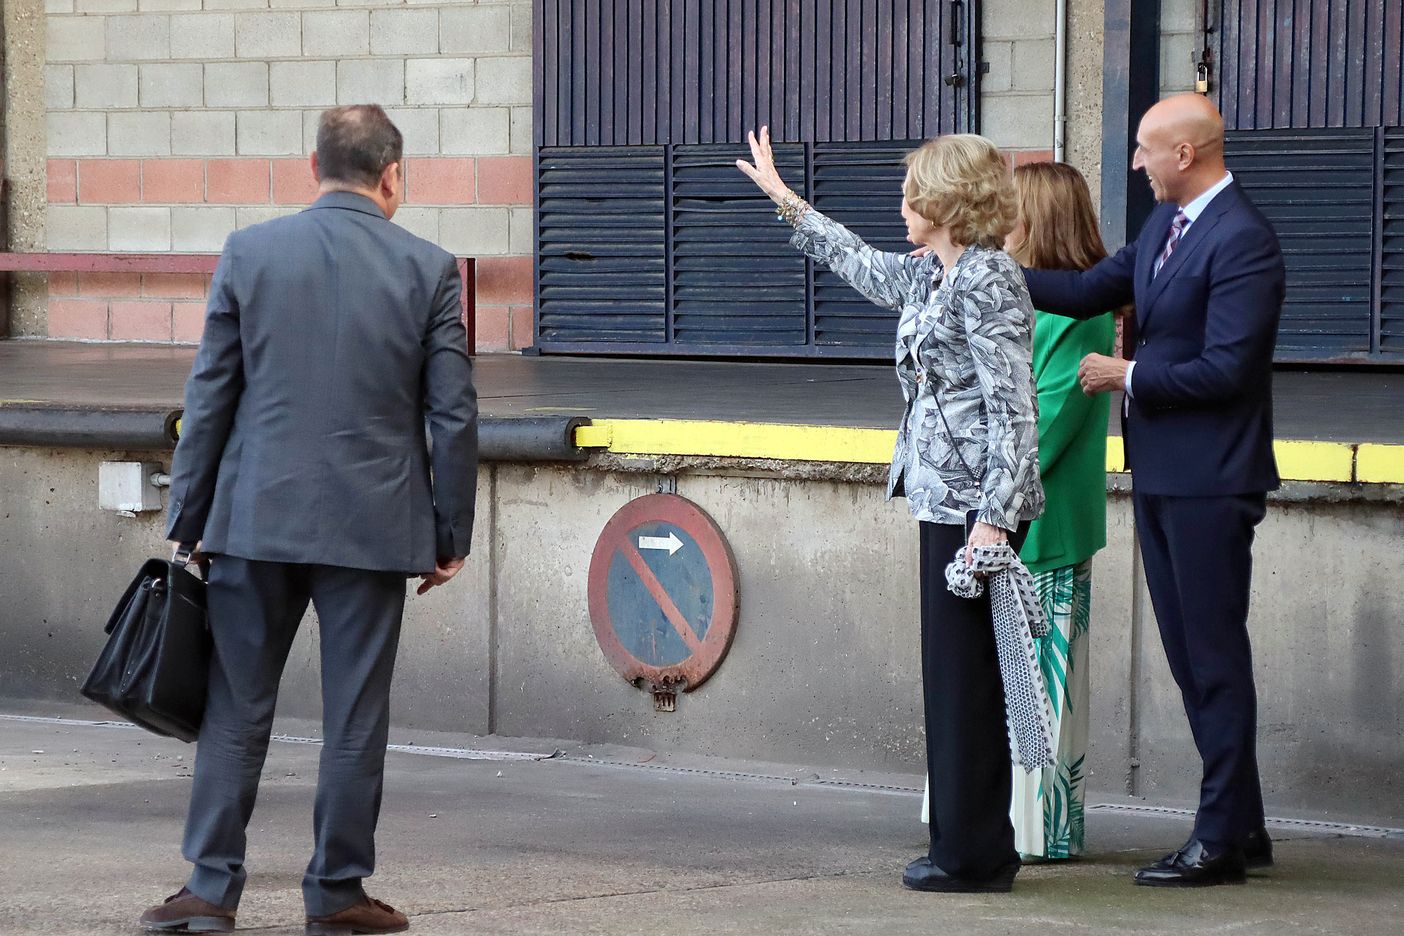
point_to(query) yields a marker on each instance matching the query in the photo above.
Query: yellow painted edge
(1116, 454)
(1314, 461)
(1379, 464)
(1297, 460)
(739, 440)
(597, 435)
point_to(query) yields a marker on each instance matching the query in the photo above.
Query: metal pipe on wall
(1060, 81)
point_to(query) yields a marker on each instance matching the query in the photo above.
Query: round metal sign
(663, 592)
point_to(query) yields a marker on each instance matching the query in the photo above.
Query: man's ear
(316, 173)
(392, 181)
(1187, 155)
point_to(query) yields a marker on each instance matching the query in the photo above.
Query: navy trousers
(255, 609)
(1198, 555)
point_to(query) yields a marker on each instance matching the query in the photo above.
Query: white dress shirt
(1192, 212)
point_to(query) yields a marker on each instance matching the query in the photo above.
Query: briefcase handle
(183, 553)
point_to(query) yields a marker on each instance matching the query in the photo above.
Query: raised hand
(763, 171)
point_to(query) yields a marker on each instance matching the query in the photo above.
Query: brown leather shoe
(183, 912)
(369, 916)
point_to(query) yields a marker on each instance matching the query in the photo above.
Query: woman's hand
(763, 172)
(984, 534)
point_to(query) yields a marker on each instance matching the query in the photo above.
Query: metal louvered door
(650, 241)
(1317, 187)
(859, 185)
(1313, 94)
(1391, 274)
(602, 251)
(737, 282)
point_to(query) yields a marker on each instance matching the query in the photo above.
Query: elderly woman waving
(966, 460)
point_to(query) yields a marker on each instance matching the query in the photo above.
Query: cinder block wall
(171, 123)
(1017, 94)
(1016, 99)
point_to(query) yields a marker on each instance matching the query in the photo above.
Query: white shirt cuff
(1129, 368)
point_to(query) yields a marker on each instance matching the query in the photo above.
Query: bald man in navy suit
(1207, 279)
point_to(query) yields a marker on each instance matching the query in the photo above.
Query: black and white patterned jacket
(973, 331)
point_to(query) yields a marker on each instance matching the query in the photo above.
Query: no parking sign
(663, 594)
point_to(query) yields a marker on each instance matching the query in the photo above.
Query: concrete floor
(614, 841)
(1361, 405)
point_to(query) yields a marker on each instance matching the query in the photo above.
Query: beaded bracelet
(791, 207)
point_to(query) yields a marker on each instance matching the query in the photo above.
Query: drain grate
(456, 753)
(1313, 825)
(748, 777)
(451, 752)
(681, 771)
(82, 723)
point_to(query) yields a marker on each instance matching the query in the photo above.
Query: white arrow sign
(670, 543)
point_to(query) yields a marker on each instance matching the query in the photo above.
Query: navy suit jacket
(1200, 417)
(332, 337)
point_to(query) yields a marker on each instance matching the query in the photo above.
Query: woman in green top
(1057, 230)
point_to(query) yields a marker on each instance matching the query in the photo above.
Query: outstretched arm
(1085, 294)
(884, 278)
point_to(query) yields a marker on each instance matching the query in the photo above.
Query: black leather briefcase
(154, 671)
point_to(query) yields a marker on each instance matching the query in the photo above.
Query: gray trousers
(255, 609)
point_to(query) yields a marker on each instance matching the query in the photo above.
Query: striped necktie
(1177, 227)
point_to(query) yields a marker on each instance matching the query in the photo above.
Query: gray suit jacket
(330, 338)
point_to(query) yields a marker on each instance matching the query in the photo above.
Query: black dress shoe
(922, 875)
(1257, 849)
(1195, 866)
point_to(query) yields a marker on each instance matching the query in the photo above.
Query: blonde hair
(961, 182)
(1059, 224)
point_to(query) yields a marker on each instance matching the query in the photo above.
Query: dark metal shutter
(1310, 63)
(1392, 247)
(682, 81)
(736, 279)
(626, 72)
(1317, 189)
(601, 245)
(1314, 92)
(859, 185)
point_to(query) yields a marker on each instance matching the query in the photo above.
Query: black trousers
(255, 609)
(967, 738)
(1198, 555)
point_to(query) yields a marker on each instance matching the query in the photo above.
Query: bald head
(1180, 145)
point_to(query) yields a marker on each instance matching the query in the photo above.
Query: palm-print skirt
(1047, 808)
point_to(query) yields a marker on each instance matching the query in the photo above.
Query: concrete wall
(65, 563)
(24, 152)
(170, 123)
(823, 670)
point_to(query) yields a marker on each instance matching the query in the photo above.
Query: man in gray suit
(330, 338)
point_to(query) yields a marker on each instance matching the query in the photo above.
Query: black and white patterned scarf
(1018, 620)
